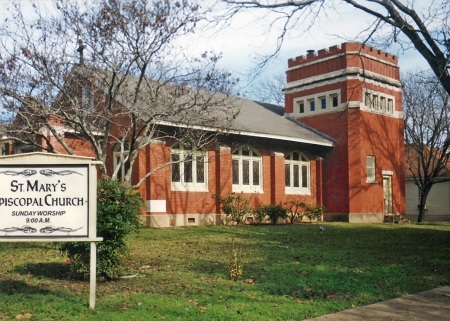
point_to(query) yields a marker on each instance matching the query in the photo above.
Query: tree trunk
(422, 204)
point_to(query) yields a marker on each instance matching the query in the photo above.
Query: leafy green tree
(118, 209)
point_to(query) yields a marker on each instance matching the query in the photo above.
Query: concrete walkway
(433, 305)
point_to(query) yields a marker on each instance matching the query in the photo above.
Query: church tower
(352, 93)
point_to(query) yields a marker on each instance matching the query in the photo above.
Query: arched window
(247, 170)
(189, 168)
(297, 169)
(121, 152)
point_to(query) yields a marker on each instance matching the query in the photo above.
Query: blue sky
(249, 36)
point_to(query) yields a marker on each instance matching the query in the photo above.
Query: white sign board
(50, 198)
(44, 201)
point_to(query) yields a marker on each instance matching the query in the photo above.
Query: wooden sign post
(50, 198)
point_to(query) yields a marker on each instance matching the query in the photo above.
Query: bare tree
(110, 74)
(409, 23)
(270, 90)
(427, 128)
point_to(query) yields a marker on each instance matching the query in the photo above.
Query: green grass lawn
(290, 272)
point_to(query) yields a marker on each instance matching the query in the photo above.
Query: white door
(387, 191)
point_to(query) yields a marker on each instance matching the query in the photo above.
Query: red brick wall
(277, 178)
(158, 186)
(80, 147)
(335, 164)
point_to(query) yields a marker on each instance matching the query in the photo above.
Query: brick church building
(338, 142)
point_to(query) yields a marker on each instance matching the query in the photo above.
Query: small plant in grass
(234, 206)
(118, 208)
(235, 267)
(294, 210)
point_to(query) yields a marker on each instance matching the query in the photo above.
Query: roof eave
(248, 133)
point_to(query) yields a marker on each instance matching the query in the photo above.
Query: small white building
(438, 202)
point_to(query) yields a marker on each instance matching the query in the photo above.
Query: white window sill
(179, 187)
(297, 191)
(245, 189)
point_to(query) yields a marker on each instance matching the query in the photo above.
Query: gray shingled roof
(266, 120)
(253, 119)
(262, 120)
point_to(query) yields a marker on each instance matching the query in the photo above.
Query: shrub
(314, 211)
(234, 206)
(259, 214)
(118, 208)
(294, 210)
(275, 212)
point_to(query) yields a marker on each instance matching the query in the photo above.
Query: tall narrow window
(334, 100)
(246, 170)
(323, 102)
(297, 171)
(312, 104)
(376, 102)
(235, 170)
(371, 171)
(188, 168)
(85, 98)
(200, 168)
(121, 161)
(383, 104)
(390, 106)
(368, 100)
(301, 106)
(176, 168)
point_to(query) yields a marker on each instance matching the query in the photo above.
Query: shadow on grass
(20, 246)
(10, 287)
(48, 270)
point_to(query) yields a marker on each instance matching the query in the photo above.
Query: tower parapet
(344, 48)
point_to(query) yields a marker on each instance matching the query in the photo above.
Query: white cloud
(248, 36)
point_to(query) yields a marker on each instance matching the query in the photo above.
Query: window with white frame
(323, 102)
(312, 104)
(334, 101)
(297, 170)
(317, 103)
(189, 168)
(378, 103)
(371, 172)
(301, 106)
(383, 104)
(390, 106)
(121, 152)
(246, 170)
(367, 100)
